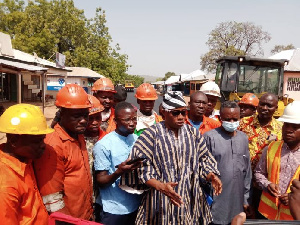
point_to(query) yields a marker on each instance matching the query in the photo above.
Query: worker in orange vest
(104, 91)
(248, 105)
(279, 165)
(25, 127)
(63, 171)
(146, 116)
(196, 118)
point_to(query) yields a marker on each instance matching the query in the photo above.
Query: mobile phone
(133, 161)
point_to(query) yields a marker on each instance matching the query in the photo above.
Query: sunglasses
(177, 112)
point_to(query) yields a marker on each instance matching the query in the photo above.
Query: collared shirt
(289, 162)
(258, 136)
(195, 124)
(109, 152)
(215, 115)
(185, 160)
(108, 124)
(207, 124)
(20, 200)
(233, 158)
(64, 170)
(144, 122)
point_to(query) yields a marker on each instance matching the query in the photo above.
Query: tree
(137, 80)
(167, 75)
(279, 48)
(231, 39)
(46, 27)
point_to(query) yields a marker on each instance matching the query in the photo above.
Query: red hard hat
(96, 105)
(104, 84)
(146, 92)
(72, 96)
(249, 99)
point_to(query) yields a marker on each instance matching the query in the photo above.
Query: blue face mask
(230, 126)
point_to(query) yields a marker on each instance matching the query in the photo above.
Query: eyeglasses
(177, 112)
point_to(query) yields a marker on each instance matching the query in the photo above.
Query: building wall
(55, 83)
(31, 86)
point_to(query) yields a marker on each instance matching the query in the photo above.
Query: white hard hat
(211, 88)
(291, 113)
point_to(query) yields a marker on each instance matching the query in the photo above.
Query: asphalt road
(131, 99)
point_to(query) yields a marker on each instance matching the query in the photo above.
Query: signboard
(293, 84)
(5, 45)
(55, 83)
(60, 60)
(54, 88)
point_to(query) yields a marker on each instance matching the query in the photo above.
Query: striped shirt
(185, 160)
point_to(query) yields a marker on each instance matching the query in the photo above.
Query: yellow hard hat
(24, 119)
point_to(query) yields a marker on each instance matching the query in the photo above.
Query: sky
(170, 35)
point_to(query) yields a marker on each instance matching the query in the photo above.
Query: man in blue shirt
(111, 161)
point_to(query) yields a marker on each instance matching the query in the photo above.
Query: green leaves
(46, 27)
(279, 48)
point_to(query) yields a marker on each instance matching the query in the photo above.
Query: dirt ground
(49, 112)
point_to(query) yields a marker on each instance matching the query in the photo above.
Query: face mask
(230, 126)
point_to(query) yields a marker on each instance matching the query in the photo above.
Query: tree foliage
(279, 48)
(167, 75)
(46, 27)
(137, 80)
(232, 39)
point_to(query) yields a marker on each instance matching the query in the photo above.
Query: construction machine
(129, 85)
(238, 75)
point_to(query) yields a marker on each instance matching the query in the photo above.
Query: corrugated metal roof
(172, 79)
(21, 66)
(31, 58)
(23, 56)
(158, 82)
(195, 75)
(293, 56)
(83, 72)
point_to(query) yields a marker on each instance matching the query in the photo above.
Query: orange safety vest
(207, 124)
(270, 206)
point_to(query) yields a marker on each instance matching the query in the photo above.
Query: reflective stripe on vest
(270, 206)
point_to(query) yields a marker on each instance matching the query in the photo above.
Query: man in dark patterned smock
(176, 159)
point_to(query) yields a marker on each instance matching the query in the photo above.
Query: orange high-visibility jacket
(270, 206)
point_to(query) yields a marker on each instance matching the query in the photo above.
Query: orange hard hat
(103, 84)
(249, 99)
(72, 96)
(146, 92)
(96, 105)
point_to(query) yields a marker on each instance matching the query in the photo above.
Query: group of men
(106, 160)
